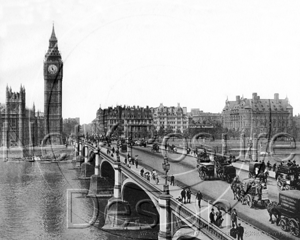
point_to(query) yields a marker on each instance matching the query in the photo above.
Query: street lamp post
(166, 168)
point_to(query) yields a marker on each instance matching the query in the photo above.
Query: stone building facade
(258, 115)
(135, 122)
(20, 126)
(175, 118)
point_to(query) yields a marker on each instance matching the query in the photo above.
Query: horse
(274, 209)
(236, 190)
(263, 176)
(155, 148)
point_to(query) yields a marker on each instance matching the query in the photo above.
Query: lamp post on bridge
(164, 206)
(166, 168)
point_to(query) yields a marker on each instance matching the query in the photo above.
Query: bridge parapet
(179, 210)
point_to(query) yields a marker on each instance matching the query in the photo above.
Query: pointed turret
(53, 37)
(53, 47)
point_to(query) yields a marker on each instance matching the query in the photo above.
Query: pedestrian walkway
(250, 232)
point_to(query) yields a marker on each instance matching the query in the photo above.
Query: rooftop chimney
(238, 99)
(254, 97)
(276, 97)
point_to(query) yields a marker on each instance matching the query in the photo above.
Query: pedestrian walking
(240, 232)
(136, 161)
(147, 176)
(132, 161)
(172, 180)
(188, 195)
(234, 218)
(153, 174)
(269, 165)
(274, 167)
(113, 150)
(199, 198)
(219, 218)
(156, 180)
(117, 151)
(125, 160)
(183, 196)
(212, 216)
(233, 232)
(142, 172)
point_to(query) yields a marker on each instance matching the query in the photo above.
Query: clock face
(52, 69)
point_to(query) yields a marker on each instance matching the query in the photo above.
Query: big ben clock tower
(53, 74)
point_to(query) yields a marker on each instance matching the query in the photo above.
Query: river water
(33, 203)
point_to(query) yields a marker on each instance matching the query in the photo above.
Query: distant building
(258, 115)
(296, 127)
(71, 120)
(133, 121)
(19, 126)
(69, 125)
(208, 118)
(175, 118)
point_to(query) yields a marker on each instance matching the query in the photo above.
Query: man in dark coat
(183, 195)
(212, 216)
(136, 161)
(188, 195)
(240, 232)
(234, 218)
(199, 198)
(172, 180)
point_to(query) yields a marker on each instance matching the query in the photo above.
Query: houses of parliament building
(23, 127)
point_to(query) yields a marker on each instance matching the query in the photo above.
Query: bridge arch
(144, 206)
(107, 170)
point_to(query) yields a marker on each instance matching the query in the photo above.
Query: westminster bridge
(111, 178)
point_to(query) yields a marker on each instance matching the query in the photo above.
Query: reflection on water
(33, 202)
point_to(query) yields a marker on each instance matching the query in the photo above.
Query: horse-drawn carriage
(251, 192)
(225, 170)
(220, 167)
(288, 177)
(205, 167)
(258, 170)
(287, 211)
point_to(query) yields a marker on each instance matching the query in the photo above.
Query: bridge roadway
(185, 174)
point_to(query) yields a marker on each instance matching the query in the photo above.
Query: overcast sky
(196, 53)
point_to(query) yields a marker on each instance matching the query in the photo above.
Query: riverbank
(46, 153)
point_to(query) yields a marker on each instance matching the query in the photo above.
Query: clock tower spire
(53, 74)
